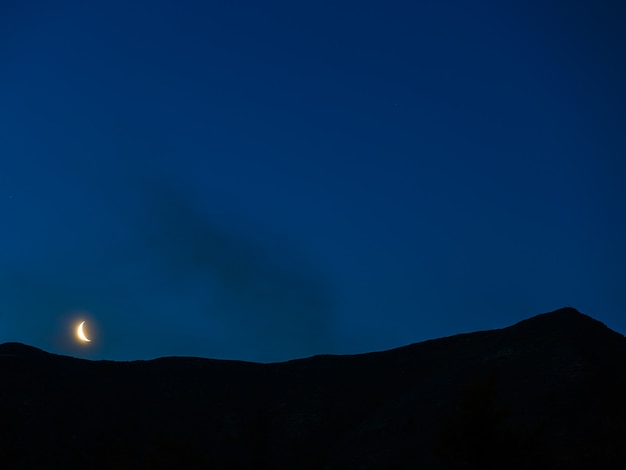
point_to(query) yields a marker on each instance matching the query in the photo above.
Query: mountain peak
(567, 317)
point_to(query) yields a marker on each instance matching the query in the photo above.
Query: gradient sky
(271, 180)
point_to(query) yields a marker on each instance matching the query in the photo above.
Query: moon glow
(81, 334)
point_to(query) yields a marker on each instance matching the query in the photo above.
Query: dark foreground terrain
(550, 390)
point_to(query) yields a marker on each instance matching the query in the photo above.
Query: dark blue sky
(272, 180)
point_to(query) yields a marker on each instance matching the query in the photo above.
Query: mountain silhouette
(549, 389)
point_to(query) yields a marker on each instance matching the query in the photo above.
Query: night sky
(272, 180)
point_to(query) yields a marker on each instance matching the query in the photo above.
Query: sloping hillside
(549, 388)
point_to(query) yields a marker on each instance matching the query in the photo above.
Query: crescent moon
(80, 333)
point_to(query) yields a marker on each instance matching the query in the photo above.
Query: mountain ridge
(554, 317)
(563, 372)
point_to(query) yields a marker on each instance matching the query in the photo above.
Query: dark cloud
(259, 287)
(172, 278)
